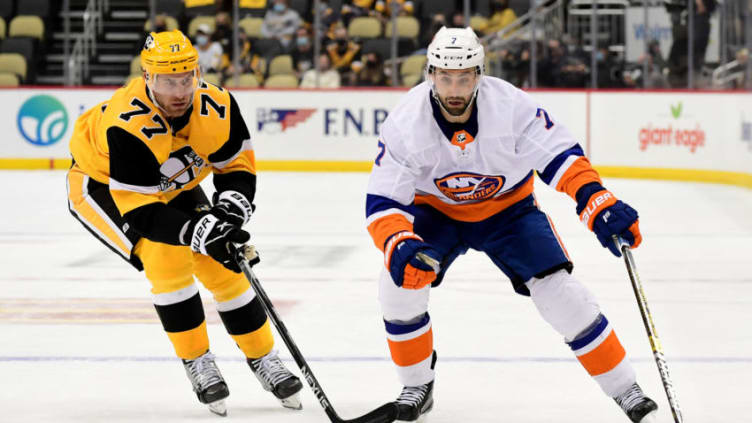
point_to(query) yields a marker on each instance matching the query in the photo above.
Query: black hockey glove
(212, 237)
(232, 207)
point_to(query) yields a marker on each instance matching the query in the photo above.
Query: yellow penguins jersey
(148, 159)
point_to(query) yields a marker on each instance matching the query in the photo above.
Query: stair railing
(85, 46)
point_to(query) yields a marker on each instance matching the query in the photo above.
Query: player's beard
(456, 109)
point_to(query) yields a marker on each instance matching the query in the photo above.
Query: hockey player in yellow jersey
(138, 159)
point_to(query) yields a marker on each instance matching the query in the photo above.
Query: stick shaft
(647, 320)
(291, 346)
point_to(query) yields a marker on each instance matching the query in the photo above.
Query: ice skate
(415, 402)
(275, 378)
(208, 384)
(638, 407)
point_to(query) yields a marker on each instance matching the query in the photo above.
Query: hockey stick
(246, 256)
(647, 320)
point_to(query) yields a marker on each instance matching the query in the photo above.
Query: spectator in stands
(501, 16)
(223, 30)
(437, 21)
(356, 9)
(678, 56)
(610, 71)
(281, 22)
(371, 72)
(329, 16)
(657, 68)
(458, 20)
(342, 51)
(327, 77)
(302, 53)
(249, 61)
(384, 8)
(160, 23)
(209, 52)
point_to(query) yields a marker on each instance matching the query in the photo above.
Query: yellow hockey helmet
(168, 52)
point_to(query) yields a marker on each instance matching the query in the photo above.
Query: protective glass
(174, 85)
(454, 84)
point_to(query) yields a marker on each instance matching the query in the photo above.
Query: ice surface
(81, 342)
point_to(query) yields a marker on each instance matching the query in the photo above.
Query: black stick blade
(387, 413)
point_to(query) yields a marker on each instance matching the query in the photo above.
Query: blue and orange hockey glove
(606, 216)
(411, 262)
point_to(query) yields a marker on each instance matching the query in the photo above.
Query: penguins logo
(180, 169)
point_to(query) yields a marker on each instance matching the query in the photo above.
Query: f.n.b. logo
(466, 186)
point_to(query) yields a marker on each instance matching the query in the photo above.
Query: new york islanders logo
(274, 121)
(466, 186)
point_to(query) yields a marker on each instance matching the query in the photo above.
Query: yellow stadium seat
(198, 20)
(13, 63)
(411, 80)
(413, 65)
(212, 78)
(26, 26)
(2, 28)
(364, 27)
(8, 80)
(407, 27)
(136, 65)
(281, 81)
(251, 26)
(281, 65)
(478, 23)
(246, 80)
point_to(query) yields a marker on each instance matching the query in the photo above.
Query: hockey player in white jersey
(454, 171)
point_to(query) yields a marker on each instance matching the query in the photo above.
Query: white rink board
(672, 130)
(326, 125)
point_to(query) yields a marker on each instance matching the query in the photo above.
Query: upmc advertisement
(675, 130)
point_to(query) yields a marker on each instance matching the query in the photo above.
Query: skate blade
(292, 402)
(651, 417)
(218, 407)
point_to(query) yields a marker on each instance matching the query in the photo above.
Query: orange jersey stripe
(381, 229)
(475, 212)
(413, 351)
(604, 357)
(581, 172)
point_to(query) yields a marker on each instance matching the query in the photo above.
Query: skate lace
(203, 371)
(412, 395)
(631, 398)
(270, 369)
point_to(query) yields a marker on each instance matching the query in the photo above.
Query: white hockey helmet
(455, 48)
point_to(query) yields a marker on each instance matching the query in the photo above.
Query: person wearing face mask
(281, 22)
(501, 16)
(371, 72)
(249, 61)
(342, 51)
(135, 184)
(209, 52)
(302, 53)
